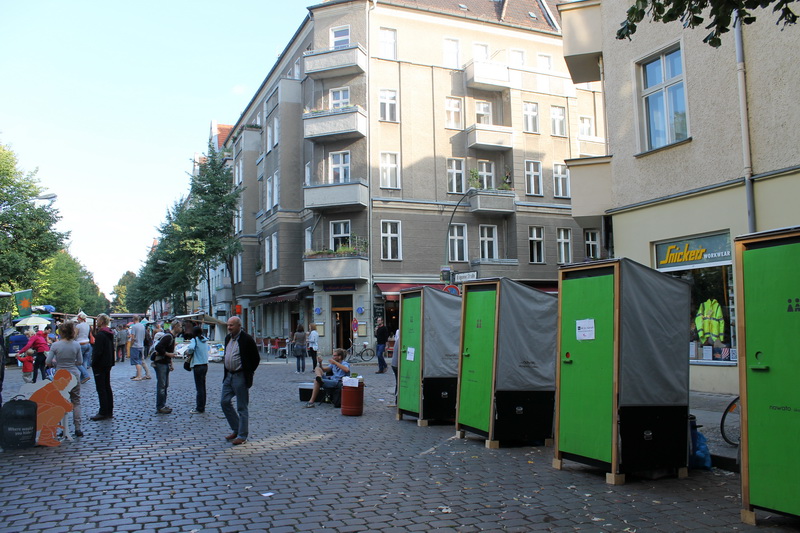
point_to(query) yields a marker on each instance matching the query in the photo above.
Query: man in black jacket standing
(241, 361)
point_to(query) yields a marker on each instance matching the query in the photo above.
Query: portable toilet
(622, 377)
(506, 377)
(768, 308)
(430, 326)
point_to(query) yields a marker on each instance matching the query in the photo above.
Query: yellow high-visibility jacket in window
(709, 322)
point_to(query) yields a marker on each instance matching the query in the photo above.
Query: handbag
(187, 364)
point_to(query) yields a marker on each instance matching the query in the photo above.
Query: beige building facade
(702, 148)
(399, 143)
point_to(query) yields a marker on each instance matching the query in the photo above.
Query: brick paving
(314, 469)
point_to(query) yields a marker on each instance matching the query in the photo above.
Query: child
(27, 366)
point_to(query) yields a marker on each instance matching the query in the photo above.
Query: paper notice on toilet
(584, 329)
(410, 353)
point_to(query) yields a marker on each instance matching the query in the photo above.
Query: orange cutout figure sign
(51, 408)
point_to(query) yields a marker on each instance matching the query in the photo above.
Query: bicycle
(730, 423)
(365, 353)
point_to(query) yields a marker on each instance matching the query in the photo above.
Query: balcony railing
(335, 267)
(490, 137)
(348, 196)
(495, 268)
(488, 76)
(348, 122)
(492, 201)
(332, 62)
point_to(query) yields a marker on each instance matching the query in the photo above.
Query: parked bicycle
(364, 354)
(730, 423)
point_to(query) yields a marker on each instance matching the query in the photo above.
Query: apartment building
(403, 143)
(702, 148)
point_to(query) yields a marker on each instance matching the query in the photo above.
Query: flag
(23, 299)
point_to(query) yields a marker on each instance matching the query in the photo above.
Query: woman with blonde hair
(102, 363)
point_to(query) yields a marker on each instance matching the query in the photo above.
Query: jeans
(86, 354)
(301, 360)
(200, 372)
(162, 383)
(380, 349)
(234, 385)
(312, 353)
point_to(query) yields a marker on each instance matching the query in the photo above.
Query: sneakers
(164, 411)
(196, 412)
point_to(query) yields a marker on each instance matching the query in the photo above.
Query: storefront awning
(391, 291)
(291, 296)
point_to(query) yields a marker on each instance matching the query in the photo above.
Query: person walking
(198, 348)
(121, 341)
(40, 346)
(240, 361)
(162, 366)
(136, 335)
(65, 354)
(102, 363)
(299, 348)
(82, 330)
(313, 344)
(381, 338)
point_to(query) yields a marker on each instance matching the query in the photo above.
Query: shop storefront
(706, 263)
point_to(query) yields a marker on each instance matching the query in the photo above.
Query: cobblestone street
(313, 469)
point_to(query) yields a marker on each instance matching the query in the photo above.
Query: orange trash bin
(353, 400)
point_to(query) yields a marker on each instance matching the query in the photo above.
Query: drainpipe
(745, 125)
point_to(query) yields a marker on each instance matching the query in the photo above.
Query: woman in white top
(313, 344)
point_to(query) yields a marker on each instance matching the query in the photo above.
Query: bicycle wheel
(730, 424)
(367, 354)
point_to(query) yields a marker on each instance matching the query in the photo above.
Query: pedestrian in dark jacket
(240, 361)
(102, 363)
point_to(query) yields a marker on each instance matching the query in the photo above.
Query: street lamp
(49, 196)
(446, 263)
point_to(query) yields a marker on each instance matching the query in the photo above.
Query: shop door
(772, 344)
(410, 354)
(587, 366)
(343, 334)
(476, 378)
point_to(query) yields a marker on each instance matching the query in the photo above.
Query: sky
(111, 100)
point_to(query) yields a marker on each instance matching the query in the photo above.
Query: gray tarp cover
(654, 337)
(441, 333)
(526, 343)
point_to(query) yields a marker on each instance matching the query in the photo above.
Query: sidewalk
(314, 469)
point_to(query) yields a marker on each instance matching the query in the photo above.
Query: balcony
(488, 76)
(223, 294)
(489, 137)
(335, 124)
(492, 202)
(495, 268)
(336, 268)
(333, 62)
(590, 180)
(350, 196)
(582, 28)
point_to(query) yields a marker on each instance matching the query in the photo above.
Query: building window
(390, 170)
(558, 122)
(592, 239)
(455, 175)
(533, 178)
(587, 127)
(274, 242)
(545, 62)
(457, 242)
(663, 99)
(516, 58)
(296, 70)
(483, 112)
(267, 254)
(564, 245)
(480, 52)
(340, 167)
(340, 97)
(452, 108)
(388, 105)
(536, 244)
(340, 37)
(451, 56)
(238, 172)
(276, 185)
(277, 134)
(307, 174)
(269, 135)
(388, 46)
(340, 234)
(488, 237)
(237, 219)
(270, 192)
(530, 117)
(486, 174)
(390, 240)
(560, 180)
(308, 241)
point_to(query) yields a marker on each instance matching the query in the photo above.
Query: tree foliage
(61, 281)
(27, 233)
(692, 14)
(120, 292)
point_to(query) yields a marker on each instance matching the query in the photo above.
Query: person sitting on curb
(339, 369)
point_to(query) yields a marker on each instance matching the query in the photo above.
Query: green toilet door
(476, 379)
(772, 335)
(410, 369)
(587, 366)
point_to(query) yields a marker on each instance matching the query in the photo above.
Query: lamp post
(49, 196)
(446, 264)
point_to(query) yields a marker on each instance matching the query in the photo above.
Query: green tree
(93, 302)
(27, 231)
(118, 304)
(57, 283)
(691, 14)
